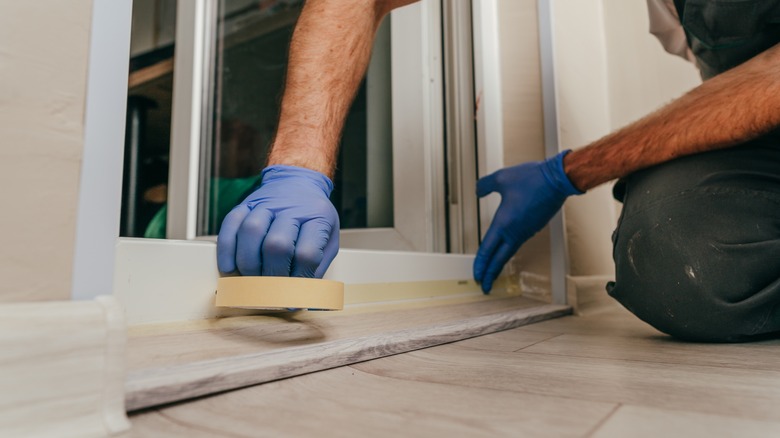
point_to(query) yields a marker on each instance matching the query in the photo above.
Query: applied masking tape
(258, 292)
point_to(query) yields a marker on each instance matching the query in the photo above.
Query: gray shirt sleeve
(665, 25)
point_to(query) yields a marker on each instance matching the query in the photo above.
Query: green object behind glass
(226, 193)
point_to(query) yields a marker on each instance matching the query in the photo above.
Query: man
(697, 248)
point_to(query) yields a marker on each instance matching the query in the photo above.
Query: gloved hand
(287, 227)
(531, 194)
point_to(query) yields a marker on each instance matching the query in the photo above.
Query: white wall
(610, 71)
(642, 76)
(521, 81)
(44, 46)
(583, 106)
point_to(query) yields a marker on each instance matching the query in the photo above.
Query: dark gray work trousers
(697, 247)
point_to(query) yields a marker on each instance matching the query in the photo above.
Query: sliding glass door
(215, 89)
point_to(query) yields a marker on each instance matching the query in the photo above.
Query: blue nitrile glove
(287, 227)
(531, 194)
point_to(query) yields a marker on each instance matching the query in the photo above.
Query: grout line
(356, 367)
(538, 342)
(647, 361)
(603, 421)
(194, 427)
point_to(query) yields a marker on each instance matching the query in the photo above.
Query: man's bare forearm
(727, 110)
(329, 54)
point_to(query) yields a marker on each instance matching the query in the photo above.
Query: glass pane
(148, 131)
(253, 38)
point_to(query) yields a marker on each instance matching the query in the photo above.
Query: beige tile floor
(602, 375)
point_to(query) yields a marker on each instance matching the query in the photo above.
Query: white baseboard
(587, 294)
(62, 369)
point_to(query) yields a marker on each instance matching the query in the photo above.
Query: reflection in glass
(251, 60)
(147, 138)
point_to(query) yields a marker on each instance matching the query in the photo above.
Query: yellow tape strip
(417, 290)
(279, 293)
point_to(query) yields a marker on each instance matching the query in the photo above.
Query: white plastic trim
(173, 280)
(192, 25)
(418, 133)
(487, 87)
(100, 190)
(558, 247)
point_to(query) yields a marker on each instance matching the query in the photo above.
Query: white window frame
(100, 253)
(460, 127)
(559, 252)
(419, 218)
(100, 187)
(487, 80)
(417, 128)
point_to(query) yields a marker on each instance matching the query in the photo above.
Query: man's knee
(690, 319)
(696, 250)
(681, 278)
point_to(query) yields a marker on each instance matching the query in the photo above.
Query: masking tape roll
(280, 293)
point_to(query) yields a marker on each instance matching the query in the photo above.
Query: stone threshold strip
(155, 386)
